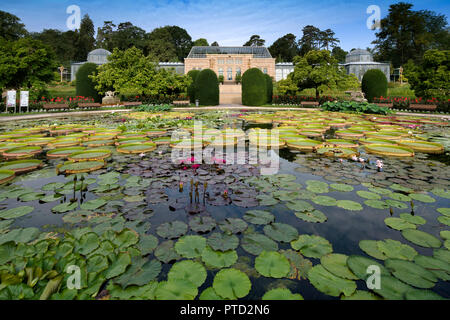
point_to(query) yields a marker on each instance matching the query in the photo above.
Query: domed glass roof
(99, 52)
(359, 55)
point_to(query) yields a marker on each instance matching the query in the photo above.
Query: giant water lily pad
(389, 150)
(63, 152)
(336, 263)
(219, 259)
(312, 246)
(80, 166)
(135, 148)
(281, 294)
(328, 283)
(188, 270)
(255, 243)
(281, 232)
(421, 238)
(190, 246)
(21, 166)
(411, 273)
(90, 155)
(231, 284)
(259, 217)
(222, 241)
(272, 264)
(16, 212)
(6, 176)
(172, 230)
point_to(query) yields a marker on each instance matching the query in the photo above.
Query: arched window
(230, 73)
(238, 71)
(220, 72)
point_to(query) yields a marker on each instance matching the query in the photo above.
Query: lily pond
(95, 207)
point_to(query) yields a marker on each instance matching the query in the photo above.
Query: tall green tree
(160, 45)
(431, 77)
(255, 41)
(320, 71)
(25, 63)
(339, 54)
(131, 71)
(85, 39)
(406, 34)
(310, 39)
(64, 44)
(202, 42)
(215, 44)
(284, 49)
(10, 26)
(125, 36)
(328, 39)
(181, 40)
(105, 36)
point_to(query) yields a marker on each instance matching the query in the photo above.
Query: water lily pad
(209, 294)
(312, 216)
(219, 259)
(312, 246)
(255, 243)
(233, 225)
(396, 249)
(176, 290)
(202, 224)
(341, 187)
(281, 294)
(65, 207)
(80, 166)
(165, 252)
(317, 186)
(444, 220)
(260, 217)
(328, 283)
(368, 195)
(379, 190)
(222, 241)
(361, 295)
(21, 166)
(359, 266)
(190, 246)
(349, 205)
(416, 294)
(421, 238)
(336, 263)
(411, 273)
(231, 284)
(412, 219)
(281, 232)
(90, 155)
(443, 193)
(93, 204)
(439, 268)
(272, 264)
(299, 206)
(371, 248)
(398, 223)
(377, 204)
(324, 200)
(172, 230)
(444, 211)
(16, 212)
(422, 197)
(392, 288)
(399, 196)
(6, 176)
(188, 270)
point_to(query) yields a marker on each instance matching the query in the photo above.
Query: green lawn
(63, 91)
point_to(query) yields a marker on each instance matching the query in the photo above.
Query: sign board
(11, 98)
(24, 98)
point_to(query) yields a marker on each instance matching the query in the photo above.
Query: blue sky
(230, 22)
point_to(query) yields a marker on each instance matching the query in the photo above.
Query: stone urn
(110, 99)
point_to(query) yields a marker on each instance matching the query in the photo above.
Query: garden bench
(50, 106)
(387, 105)
(309, 103)
(181, 103)
(428, 107)
(131, 104)
(89, 105)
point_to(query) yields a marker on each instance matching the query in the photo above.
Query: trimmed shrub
(191, 89)
(84, 85)
(269, 82)
(374, 84)
(254, 88)
(207, 88)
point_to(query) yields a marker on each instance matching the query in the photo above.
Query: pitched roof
(257, 52)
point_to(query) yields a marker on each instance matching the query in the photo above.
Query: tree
(339, 54)
(85, 39)
(430, 78)
(202, 42)
(131, 71)
(181, 40)
(215, 44)
(328, 39)
(406, 34)
(10, 26)
(310, 39)
(25, 63)
(160, 45)
(105, 36)
(284, 49)
(63, 44)
(319, 70)
(255, 41)
(125, 36)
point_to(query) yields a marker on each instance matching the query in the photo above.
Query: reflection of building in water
(358, 61)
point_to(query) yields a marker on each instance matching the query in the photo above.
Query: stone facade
(230, 64)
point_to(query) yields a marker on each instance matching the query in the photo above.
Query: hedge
(254, 88)
(374, 84)
(269, 82)
(84, 85)
(191, 89)
(207, 88)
